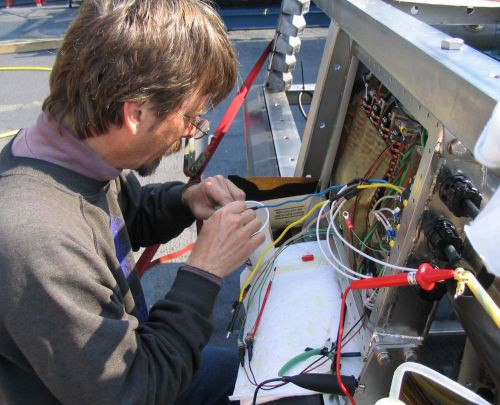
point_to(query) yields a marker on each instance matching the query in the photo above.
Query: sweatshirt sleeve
(63, 311)
(154, 213)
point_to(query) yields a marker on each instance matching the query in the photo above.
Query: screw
(383, 357)
(322, 124)
(410, 355)
(457, 148)
(336, 67)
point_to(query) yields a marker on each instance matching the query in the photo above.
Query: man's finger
(253, 226)
(218, 191)
(247, 216)
(235, 207)
(236, 192)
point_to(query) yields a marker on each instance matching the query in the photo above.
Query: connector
(249, 340)
(241, 352)
(460, 196)
(443, 240)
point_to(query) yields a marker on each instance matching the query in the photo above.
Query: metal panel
(441, 14)
(261, 155)
(285, 135)
(461, 87)
(327, 98)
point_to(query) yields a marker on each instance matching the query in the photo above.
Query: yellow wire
(377, 185)
(8, 134)
(491, 308)
(37, 68)
(261, 257)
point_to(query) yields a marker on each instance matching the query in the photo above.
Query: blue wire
(326, 190)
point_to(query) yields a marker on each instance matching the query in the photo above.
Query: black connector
(326, 383)
(443, 241)
(460, 196)
(241, 352)
(249, 344)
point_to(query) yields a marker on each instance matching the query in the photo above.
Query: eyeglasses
(201, 125)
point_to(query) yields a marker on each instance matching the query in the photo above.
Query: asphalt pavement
(22, 94)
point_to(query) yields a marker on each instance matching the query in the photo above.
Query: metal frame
(451, 93)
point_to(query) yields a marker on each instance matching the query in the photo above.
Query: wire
(319, 194)
(254, 401)
(387, 185)
(15, 68)
(299, 221)
(301, 106)
(354, 275)
(332, 223)
(9, 134)
(339, 347)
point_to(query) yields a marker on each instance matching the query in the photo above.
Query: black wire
(251, 371)
(254, 382)
(254, 401)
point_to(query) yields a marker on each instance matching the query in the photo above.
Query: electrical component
(326, 383)
(460, 196)
(443, 241)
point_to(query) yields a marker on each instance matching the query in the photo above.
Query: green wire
(423, 137)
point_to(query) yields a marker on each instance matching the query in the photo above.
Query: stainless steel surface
(327, 98)
(261, 155)
(460, 88)
(285, 136)
(439, 14)
(294, 91)
(446, 328)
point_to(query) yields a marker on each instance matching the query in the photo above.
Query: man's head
(168, 55)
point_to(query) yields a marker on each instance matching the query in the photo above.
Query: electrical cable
(299, 221)
(332, 223)
(24, 68)
(339, 346)
(354, 275)
(319, 194)
(9, 134)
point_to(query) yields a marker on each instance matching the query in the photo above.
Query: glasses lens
(202, 128)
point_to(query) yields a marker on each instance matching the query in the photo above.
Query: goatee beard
(148, 169)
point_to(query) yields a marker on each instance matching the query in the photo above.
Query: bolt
(410, 355)
(457, 148)
(336, 67)
(383, 357)
(322, 124)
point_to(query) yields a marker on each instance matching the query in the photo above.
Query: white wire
(382, 219)
(385, 197)
(388, 210)
(332, 223)
(328, 244)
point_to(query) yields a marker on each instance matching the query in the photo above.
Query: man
(130, 80)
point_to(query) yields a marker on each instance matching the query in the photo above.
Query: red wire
(165, 258)
(339, 347)
(262, 309)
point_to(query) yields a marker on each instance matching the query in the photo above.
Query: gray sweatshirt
(69, 329)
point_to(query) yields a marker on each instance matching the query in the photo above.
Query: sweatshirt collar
(48, 141)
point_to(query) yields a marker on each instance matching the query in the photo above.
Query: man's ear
(132, 116)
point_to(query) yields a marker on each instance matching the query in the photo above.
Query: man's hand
(226, 239)
(213, 192)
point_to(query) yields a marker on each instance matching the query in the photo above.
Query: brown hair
(157, 51)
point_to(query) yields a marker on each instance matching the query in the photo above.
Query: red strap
(235, 106)
(144, 262)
